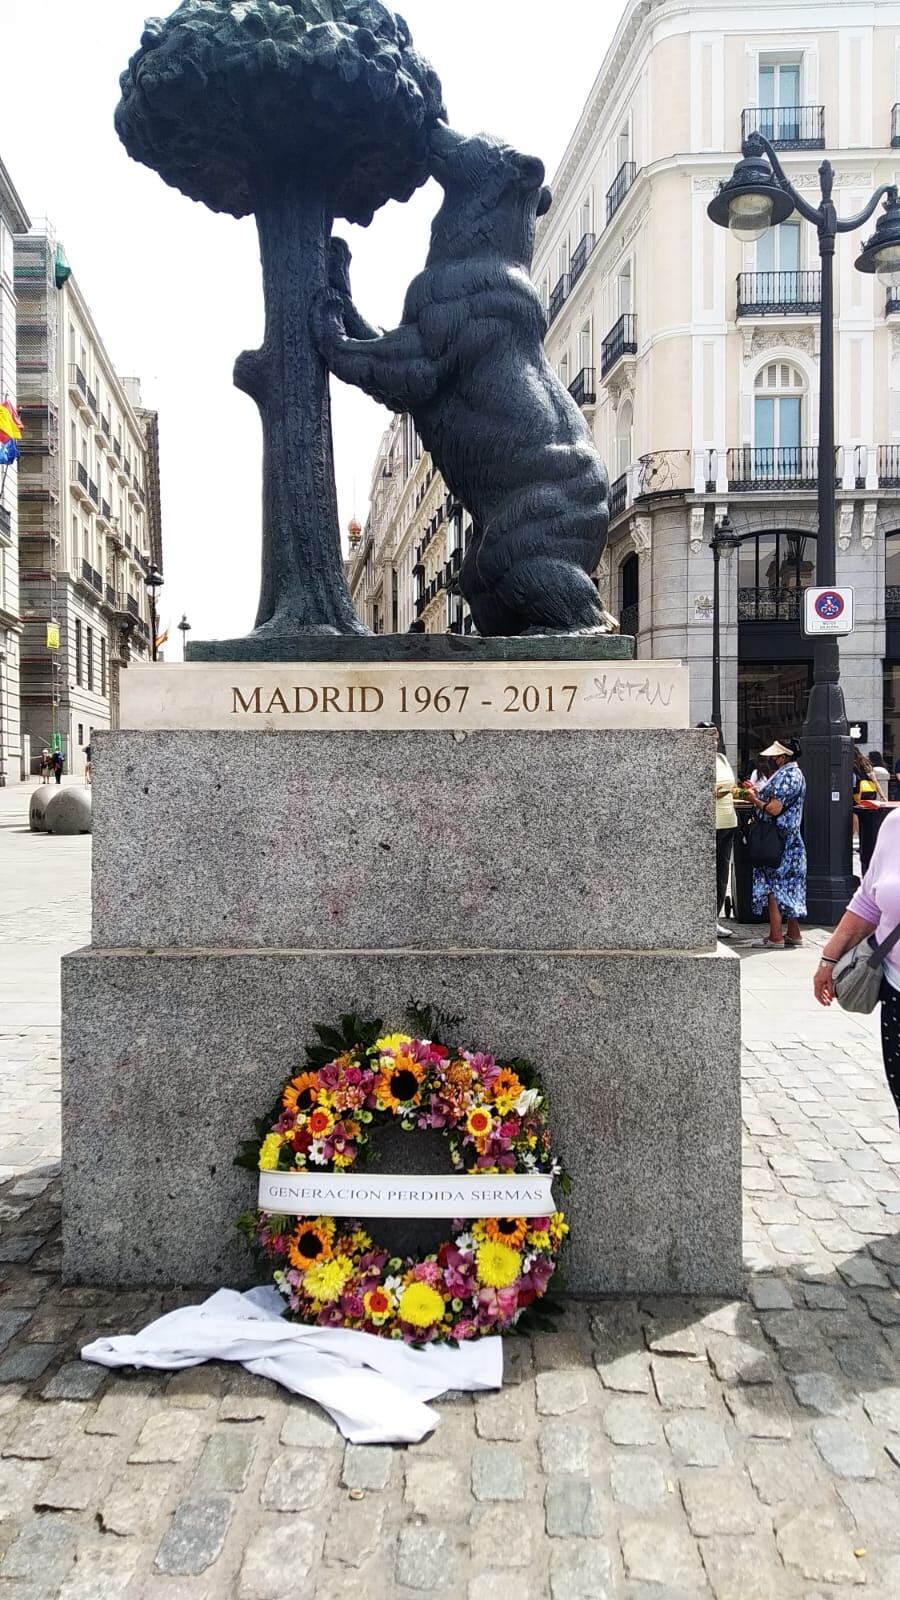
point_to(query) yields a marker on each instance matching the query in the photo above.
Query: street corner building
(695, 360)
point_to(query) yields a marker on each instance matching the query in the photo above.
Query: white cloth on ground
(374, 1388)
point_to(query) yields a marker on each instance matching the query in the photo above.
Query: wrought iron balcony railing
(92, 402)
(895, 126)
(769, 605)
(778, 294)
(584, 388)
(620, 341)
(559, 294)
(77, 380)
(892, 599)
(580, 257)
(133, 606)
(892, 302)
(619, 188)
(889, 466)
(5, 523)
(629, 620)
(773, 467)
(786, 127)
(618, 496)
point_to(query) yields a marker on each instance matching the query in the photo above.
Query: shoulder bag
(765, 844)
(858, 975)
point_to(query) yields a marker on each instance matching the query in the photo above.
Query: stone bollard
(69, 811)
(37, 808)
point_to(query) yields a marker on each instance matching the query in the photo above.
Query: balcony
(620, 341)
(92, 402)
(117, 449)
(5, 524)
(93, 491)
(105, 427)
(779, 294)
(619, 188)
(78, 381)
(132, 605)
(895, 127)
(584, 388)
(106, 511)
(773, 467)
(580, 257)
(618, 496)
(79, 480)
(629, 620)
(110, 595)
(770, 605)
(889, 466)
(892, 302)
(558, 296)
(91, 577)
(786, 127)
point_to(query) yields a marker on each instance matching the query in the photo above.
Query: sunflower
(302, 1093)
(506, 1230)
(497, 1266)
(420, 1305)
(325, 1281)
(505, 1090)
(378, 1305)
(320, 1122)
(479, 1122)
(310, 1242)
(399, 1084)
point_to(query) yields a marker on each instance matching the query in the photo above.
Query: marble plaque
(387, 696)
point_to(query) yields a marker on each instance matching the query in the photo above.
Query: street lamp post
(723, 543)
(184, 629)
(756, 196)
(154, 582)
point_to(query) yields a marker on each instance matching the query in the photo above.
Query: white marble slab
(389, 696)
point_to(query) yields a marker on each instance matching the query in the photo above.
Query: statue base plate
(459, 647)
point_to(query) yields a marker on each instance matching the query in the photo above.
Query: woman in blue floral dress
(781, 890)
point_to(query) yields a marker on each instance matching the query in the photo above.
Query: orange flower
(310, 1242)
(302, 1093)
(505, 1089)
(319, 1122)
(506, 1230)
(479, 1122)
(398, 1084)
(378, 1305)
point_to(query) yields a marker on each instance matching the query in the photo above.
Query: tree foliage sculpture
(298, 112)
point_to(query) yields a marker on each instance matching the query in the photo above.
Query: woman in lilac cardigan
(876, 904)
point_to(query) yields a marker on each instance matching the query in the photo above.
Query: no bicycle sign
(827, 610)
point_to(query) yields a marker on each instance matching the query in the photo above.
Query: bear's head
(493, 196)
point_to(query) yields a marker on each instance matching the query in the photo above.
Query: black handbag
(765, 845)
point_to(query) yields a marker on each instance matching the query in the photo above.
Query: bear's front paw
(327, 318)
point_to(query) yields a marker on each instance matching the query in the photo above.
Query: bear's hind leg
(543, 594)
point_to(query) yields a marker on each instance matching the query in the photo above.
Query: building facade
(13, 756)
(89, 521)
(695, 359)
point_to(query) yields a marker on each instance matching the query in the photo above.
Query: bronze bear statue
(467, 362)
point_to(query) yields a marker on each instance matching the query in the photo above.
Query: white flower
(392, 1286)
(527, 1100)
(316, 1152)
(464, 1241)
(528, 1160)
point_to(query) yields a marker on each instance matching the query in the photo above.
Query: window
(545, 291)
(779, 100)
(630, 585)
(624, 425)
(86, 542)
(103, 667)
(78, 667)
(562, 259)
(585, 346)
(623, 145)
(586, 215)
(73, 441)
(624, 295)
(773, 569)
(81, 733)
(90, 658)
(778, 420)
(779, 249)
(563, 370)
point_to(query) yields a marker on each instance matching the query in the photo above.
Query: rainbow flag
(10, 423)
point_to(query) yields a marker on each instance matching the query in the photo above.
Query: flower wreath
(494, 1115)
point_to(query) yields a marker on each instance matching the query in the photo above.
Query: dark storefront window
(772, 699)
(773, 570)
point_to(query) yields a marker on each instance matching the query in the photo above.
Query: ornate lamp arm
(849, 224)
(756, 144)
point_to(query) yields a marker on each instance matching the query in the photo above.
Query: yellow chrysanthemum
(420, 1305)
(497, 1266)
(268, 1152)
(540, 1239)
(325, 1281)
(391, 1042)
(558, 1227)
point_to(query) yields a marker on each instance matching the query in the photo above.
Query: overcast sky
(175, 290)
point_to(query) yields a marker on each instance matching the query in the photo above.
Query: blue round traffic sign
(829, 605)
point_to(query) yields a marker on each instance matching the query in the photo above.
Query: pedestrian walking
(781, 891)
(46, 766)
(87, 766)
(726, 826)
(57, 764)
(876, 904)
(880, 772)
(865, 781)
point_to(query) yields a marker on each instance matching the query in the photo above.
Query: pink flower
(499, 1305)
(466, 1329)
(428, 1272)
(330, 1076)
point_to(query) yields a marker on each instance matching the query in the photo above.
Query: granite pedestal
(554, 889)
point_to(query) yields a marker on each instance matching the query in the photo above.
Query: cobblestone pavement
(746, 1450)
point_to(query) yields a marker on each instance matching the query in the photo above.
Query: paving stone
(563, 1446)
(225, 1463)
(307, 1427)
(820, 1549)
(354, 1532)
(167, 1436)
(76, 1380)
(842, 1449)
(42, 1431)
(426, 1558)
(431, 1492)
(280, 1553)
(20, 1247)
(366, 1466)
(873, 1507)
(195, 1388)
(505, 1415)
(580, 1571)
(571, 1509)
(861, 1272)
(883, 1409)
(637, 1481)
(733, 1360)
(43, 1551)
(759, 1413)
(719, 1503)
(134, 1501)
(518, 1361)
(20, 1482)
(101, 1572)
(27, 1363)
(790, 1330)
(883, 1308)
(560, 1392)
(243, 1408)
(824, 1297)
(737, 1569)
(780, 1472)
(629, 1374)
(653, 1553)
(76, 1483)
(297, 1480)
(633, 1420)
(680, 1385)
(698, 1442)
(818, 1392)
(497, 1474)
(863, 1363)
(667, 1338)
(501, 1536)
(195, 1537)
(11, 1323)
